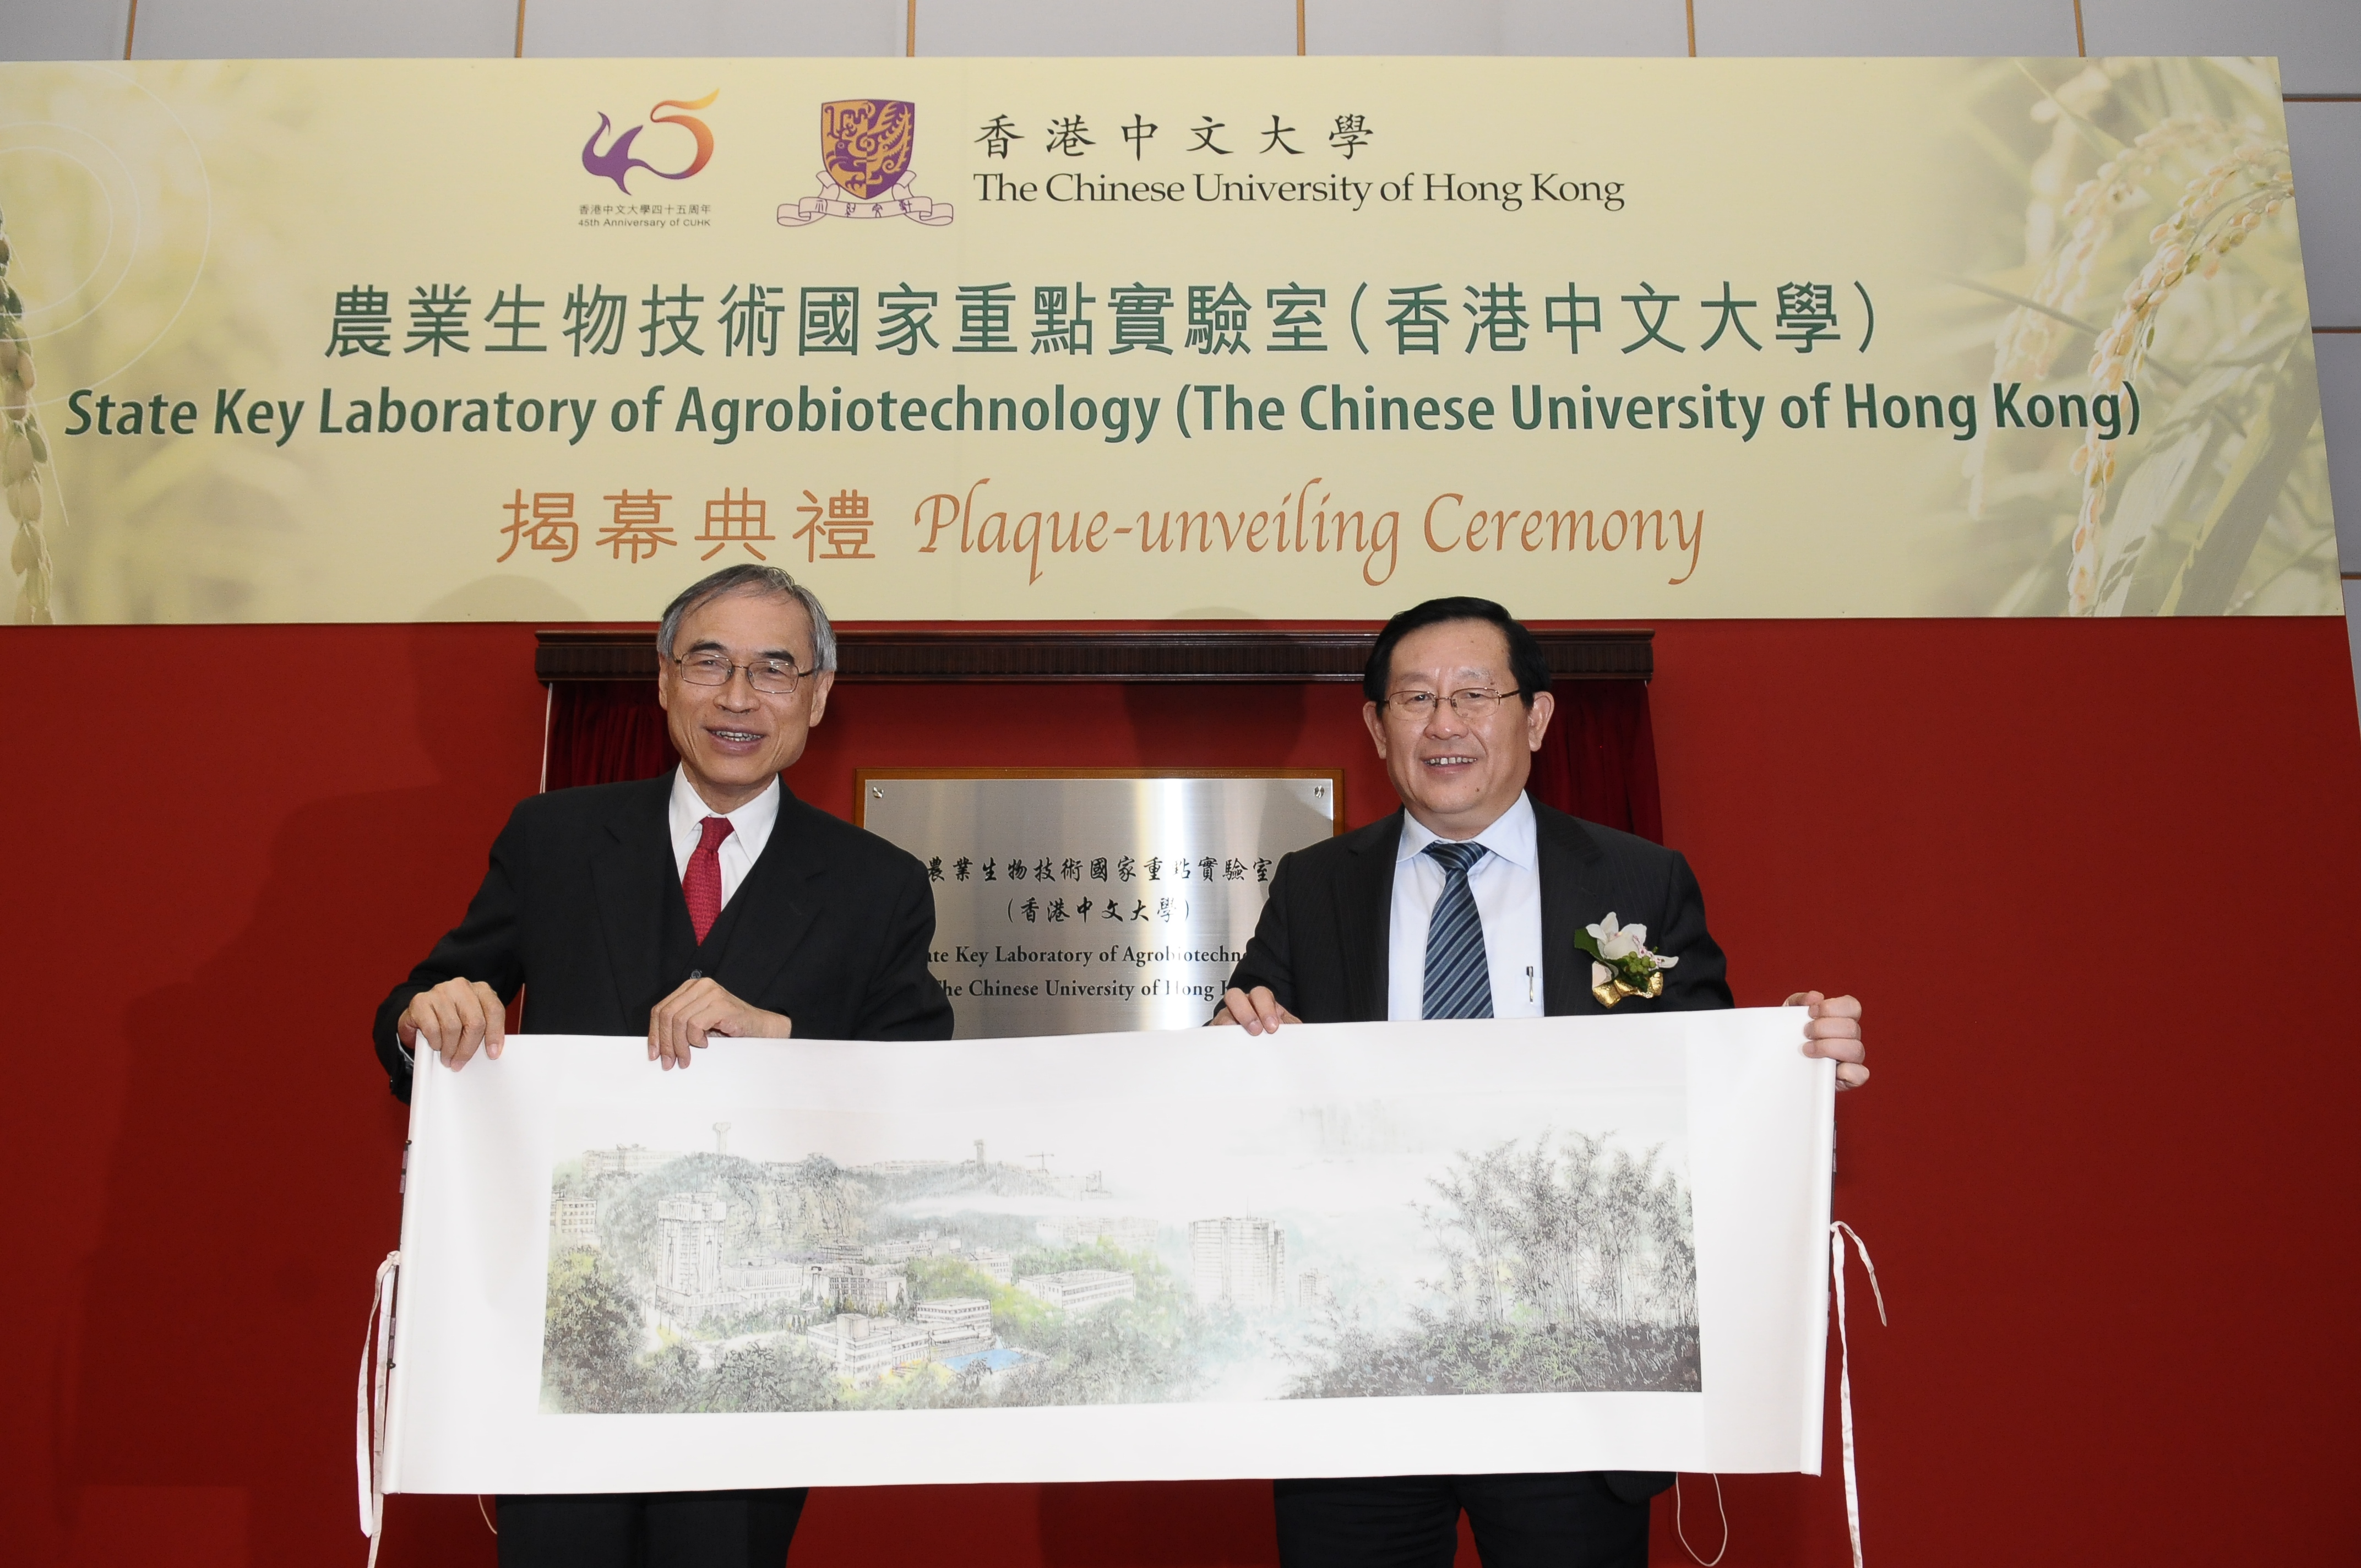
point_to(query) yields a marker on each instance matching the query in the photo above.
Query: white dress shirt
(1507, 884)
(750, 829)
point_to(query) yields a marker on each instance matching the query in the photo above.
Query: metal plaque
(1085, 902)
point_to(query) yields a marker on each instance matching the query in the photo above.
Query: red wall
(2097, 883)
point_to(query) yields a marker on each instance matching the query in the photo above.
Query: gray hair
(746, 578)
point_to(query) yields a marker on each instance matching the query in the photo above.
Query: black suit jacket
(1323, 940)
(1324, 943)
(582, 907)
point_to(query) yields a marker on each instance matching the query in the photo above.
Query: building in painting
(1239, 1262)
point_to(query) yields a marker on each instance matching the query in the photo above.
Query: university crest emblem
(864, 154)
(864, 144)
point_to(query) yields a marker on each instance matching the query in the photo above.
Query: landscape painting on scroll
(797, 1259)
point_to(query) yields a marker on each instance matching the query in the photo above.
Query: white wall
(2318, 43)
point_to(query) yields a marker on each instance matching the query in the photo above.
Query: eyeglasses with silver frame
(1474, 703)
(771, 677)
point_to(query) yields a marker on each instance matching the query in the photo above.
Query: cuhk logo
(616, 162)
(864, 166)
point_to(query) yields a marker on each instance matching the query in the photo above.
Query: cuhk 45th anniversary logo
(864, 155)
(617, 160)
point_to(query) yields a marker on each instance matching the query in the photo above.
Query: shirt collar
(1512, 836)
(751, 824)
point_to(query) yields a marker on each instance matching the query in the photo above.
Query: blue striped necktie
(1458, 976)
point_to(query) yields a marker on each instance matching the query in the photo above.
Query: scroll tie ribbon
(1837, 1232)
(368, 1412)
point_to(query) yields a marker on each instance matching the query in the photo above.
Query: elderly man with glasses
(709, 901)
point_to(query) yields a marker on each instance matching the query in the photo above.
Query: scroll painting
(1489, 1246)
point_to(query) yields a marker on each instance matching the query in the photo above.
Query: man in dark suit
(1466, 904)
(707, 901)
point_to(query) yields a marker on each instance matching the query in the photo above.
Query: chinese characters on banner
(636, 524)
(1069, 135)
(744, 321)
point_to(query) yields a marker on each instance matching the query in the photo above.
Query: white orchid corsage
(1620, 963)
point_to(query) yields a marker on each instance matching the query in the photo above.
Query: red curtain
(604, 732)
(1599, 762)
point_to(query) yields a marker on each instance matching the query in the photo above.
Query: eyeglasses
(772, 677)
(1475, 703)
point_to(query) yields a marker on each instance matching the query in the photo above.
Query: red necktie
(702, 885)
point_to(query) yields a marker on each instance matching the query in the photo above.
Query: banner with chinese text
(391, 340)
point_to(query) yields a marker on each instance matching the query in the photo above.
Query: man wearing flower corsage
(1474, 902)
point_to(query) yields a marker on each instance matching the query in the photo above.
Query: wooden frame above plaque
(894, 653)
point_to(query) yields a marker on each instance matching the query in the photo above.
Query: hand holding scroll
(1835, 1033)
(1258, 1011)
(700, 1008)
(454, 1019)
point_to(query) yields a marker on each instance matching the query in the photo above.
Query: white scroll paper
(1366, 1249)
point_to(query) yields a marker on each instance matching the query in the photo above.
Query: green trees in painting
(1567, 1266)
